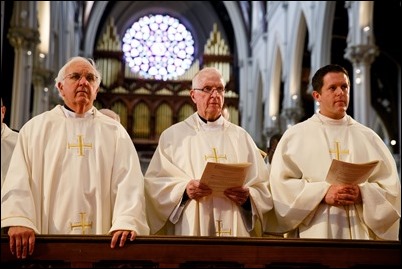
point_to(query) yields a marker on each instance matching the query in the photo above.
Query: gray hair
(62, 72)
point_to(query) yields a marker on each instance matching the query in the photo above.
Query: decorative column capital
(292, 115)
(361, 53)
(42, 75)
(23, 38)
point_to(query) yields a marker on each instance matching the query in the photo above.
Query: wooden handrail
(68, 251)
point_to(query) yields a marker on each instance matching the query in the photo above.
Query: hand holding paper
(220, 176)
(350, 173)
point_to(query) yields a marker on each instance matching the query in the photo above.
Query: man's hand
(239, 195)
(340, 195)
(123, 237)
(196, 190)
(22, 241)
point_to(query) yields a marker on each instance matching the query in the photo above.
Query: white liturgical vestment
(74, 176)
(8, 141)
(298, 182)
(183, 151)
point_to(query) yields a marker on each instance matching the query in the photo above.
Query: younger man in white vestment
(177, 203)
(8, 141)
(74, 170)
(306, 205)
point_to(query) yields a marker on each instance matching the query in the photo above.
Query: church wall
(288, 25)
(258, 87)
(265, 59)
(270, 66)
(242, 52)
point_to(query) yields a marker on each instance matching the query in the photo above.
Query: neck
(78, 110)
(333, 116)
(208, 120)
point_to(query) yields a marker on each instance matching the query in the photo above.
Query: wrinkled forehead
(80, 67)
(210, 77)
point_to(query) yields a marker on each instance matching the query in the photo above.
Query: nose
(85, 80)
(214, 91)
(339, 91)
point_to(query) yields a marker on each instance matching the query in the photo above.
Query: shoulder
(360, 127)
(8, 133)
(177, 129)
(36, 122)
(105, 118)
(303, 126)
(190, 123)
(233, 128)
(109, 125)
(365, 131)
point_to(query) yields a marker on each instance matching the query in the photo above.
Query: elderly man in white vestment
(8, 141)
(74, 170)
(177, 203)
(306, 204)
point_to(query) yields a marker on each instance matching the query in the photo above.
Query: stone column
(24, 37)
(362, 56)
(43, 82)
(361, 52)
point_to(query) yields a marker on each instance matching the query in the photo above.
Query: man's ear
(192, 96)
(316, 95)
(60, 87)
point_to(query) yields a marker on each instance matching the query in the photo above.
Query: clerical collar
(71, 114)
(206, 121)
(211, 125)
(325, 119)
(66, 107)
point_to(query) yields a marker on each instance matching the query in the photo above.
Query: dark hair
(318, 79)
(274, 139)
(273, 142)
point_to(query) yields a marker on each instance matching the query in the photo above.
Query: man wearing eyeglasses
(177, 202)
(74, 170)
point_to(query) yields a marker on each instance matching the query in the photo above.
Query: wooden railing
(204, 252)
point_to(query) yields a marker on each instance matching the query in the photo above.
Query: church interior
(267, 51)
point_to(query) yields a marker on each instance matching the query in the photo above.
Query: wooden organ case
(148, 106)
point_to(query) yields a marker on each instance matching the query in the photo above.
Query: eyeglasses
(210, 90)
(91, 78)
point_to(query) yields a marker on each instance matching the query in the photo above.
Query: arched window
(158, 47)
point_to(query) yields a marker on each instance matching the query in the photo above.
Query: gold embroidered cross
(80, 146)
(81, 224)
(338, 150)
(220, 231)
(215, 156)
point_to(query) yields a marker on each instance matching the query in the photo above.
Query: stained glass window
(158, 47)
